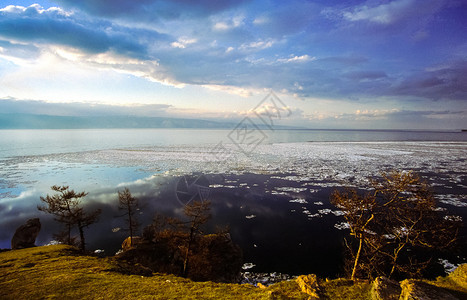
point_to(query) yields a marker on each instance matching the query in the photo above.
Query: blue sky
(335, 64)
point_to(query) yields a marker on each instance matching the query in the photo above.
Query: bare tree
(359, 212)
(65, 205)
(129, 204)
(198, 212)
(397, 225)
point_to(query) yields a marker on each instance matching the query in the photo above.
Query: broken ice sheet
(247, 266)
(448, 266)
(342, 226)
(299, 200)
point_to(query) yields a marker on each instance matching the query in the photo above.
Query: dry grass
(60, 272)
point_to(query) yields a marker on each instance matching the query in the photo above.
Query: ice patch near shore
(448, 266)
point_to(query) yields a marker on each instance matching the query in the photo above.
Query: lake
(271, 187)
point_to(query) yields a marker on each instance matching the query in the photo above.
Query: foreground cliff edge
(59, 271)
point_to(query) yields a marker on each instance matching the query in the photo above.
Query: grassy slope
(58, 272)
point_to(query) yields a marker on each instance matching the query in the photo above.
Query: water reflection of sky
(23, 184)
(281, 224)
(272, 229)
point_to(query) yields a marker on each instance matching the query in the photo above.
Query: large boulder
(129, 242)
(419, 290)
(25, 236)
(385, 289)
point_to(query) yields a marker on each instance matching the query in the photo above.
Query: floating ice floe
(274, 192)
(290, 189)
(250, 216)
(216, 186)
(299, 200)
(342, 226)
(338, 213)
(453, 218)
(321, 164)
(247, 266)
(454, 200)
(448, 266)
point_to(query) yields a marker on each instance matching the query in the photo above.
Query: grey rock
(385, 289)
(309, 284)
(418, 290)
(25, 236)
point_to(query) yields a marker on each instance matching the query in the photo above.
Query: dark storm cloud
(448, 82)
(53, 26)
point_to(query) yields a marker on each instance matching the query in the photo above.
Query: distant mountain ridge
(31, 121)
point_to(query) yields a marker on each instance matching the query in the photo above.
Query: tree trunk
(185, 261)
(357, 258)
(69, 233)
(130, 224)
(81, 236)
(394, 261)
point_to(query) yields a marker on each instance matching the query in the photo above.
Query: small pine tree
(65, 205)
(198, 212)
(129, 204)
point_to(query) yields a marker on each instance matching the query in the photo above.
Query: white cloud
(382, 14)
(183, 42)
(234, 22)
(221, 26)
(243, 92)
(34, 9)
(295, 58)
(257, 45)
(261, 20)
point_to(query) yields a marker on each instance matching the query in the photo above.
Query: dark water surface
(275, 200)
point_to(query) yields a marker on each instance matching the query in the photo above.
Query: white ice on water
(320, 164)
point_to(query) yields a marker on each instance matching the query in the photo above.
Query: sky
(375, 64)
